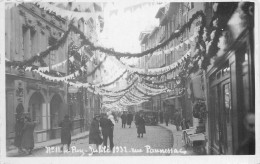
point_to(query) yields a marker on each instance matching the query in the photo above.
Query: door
(226, 114)
(221, 111)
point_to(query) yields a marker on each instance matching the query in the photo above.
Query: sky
(122, 29)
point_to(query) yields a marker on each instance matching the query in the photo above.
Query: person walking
(140, 124)
(161, 116)
(66, 127)
(123, 119)
(19, 132)
(28, 139)
(129, 119)
(166, 117)
(107, 127)
(94, 132)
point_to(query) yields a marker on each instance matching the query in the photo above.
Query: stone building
(29, 31)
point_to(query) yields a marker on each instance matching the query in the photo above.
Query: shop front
(231, 93)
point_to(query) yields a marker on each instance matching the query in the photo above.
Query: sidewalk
(54, 142)
(177, 138)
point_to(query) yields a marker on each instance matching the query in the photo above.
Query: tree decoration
(223, 13)
(199, 110)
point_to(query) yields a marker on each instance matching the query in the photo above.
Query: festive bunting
(43, 54)
(67, 14)
(150, 51)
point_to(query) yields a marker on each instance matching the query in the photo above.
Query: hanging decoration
(223, 13)
(67, 14)
(199, 110)
(39, 57)
(112, 82)
(108, 51)
(160, 71)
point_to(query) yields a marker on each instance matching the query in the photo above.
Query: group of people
(127, 119)
(167, 116)
(139, 122)
(24, 129)
(101, 129)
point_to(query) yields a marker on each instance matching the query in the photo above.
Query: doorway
(221, 111)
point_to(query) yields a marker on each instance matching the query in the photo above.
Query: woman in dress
(66, 127)
(94, 133)
(28, 139)
(140, 123)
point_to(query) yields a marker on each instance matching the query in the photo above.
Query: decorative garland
(224, 12)
(143, 92)
(119, 91)
(112, 82)
(199, 110)
(160, 83)
(160, 71)
(67, 13)
(39, 57)
(150, 51)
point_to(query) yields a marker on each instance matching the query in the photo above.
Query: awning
(173, 97)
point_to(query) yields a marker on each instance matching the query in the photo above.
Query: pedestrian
(247, 146)
(140, 124)
(129, 119)
(107, 127)
(115, 117)
(123, 119)
(161, 117)
(178, 119)
(28, 139)
(66, 127)
(166, 117)
(183, 124)
(19, 124)
(94, 133)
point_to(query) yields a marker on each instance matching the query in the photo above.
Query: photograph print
(129, 78)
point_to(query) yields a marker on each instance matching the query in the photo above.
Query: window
(26, 41)
(191, 5)
(52, 41)
(33, 41)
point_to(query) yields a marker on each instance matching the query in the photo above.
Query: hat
(96, 115)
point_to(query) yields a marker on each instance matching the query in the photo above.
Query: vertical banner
(19, 91)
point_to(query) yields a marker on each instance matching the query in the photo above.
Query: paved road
(126, 144)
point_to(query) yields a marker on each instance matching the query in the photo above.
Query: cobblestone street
(126, 144)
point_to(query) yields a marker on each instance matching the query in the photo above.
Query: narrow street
(186, 69)
(126, 143)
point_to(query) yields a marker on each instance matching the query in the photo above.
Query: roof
(160, 12)
(144, 39)
(154, 30)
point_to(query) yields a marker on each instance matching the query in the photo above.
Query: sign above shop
(72, 89)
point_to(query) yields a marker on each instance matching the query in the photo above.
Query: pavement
(54, 142)
(178, 143)
(125, 140)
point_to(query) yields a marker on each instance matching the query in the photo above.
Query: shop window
(191, 5)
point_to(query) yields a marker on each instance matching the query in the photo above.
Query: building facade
(30, 30)
(225, 88)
